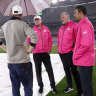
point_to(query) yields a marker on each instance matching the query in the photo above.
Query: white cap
(17, 9)
(37, 16)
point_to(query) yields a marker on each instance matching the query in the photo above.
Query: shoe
(40, 90)
(54, 90)
(80, 94)
(68, 89)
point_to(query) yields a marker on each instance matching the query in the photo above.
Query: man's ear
(81, 12)
(41, 20)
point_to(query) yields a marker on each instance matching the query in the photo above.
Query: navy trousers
(86, 79)
(21, 73)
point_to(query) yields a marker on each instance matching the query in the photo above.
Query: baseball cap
(37, 16)
(17, 9)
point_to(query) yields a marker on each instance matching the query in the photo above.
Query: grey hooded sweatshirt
(15, 33)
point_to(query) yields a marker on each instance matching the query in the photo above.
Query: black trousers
(86, 80)
(45, 58)
(66, 59)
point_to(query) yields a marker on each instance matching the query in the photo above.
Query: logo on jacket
(44, 30)
(84, 32)
(68, 28)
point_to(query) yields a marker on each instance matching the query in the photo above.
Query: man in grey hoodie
(15, 32)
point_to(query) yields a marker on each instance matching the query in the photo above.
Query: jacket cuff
(33, 44)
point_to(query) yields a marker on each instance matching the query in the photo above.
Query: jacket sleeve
(85, 43)
(49, 41)
(31, 34)
(75, 32)
(58, 38)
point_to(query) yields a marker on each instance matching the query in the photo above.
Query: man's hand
(49, 51)
(3, 47)
(28, 49)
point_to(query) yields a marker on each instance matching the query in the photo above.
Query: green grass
(2, 51)
(62, 85)
(54, 49)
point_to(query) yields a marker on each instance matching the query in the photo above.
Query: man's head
(17, 11)
(65, 17)
(37, 20)
(79, 12)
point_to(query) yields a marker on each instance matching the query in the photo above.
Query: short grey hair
(65, 13)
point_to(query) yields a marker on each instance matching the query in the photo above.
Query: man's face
(37, 21)
(64, 18)
(77, 15)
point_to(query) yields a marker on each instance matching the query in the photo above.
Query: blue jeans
(21, 73)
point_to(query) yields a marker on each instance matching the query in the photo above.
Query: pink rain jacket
(84, 52)
(66, 37)
(44, 43)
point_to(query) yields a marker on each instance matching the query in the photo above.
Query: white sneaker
(68, 89)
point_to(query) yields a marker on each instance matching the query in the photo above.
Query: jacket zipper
(42, 38)
(62, 38)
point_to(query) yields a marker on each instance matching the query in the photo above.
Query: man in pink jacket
(41, 53)
(66, 40)
(84, 52)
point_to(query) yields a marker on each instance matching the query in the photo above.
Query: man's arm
(49, 41)
(31, 34)
(2, 46)
(85, 42)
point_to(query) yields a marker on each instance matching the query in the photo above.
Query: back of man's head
(17, 10)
